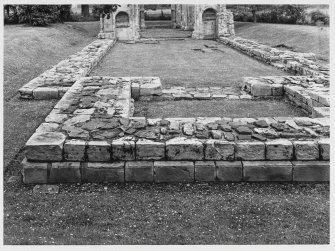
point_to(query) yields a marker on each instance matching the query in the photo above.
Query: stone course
(53, 83)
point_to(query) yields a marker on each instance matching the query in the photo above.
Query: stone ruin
(206, 21)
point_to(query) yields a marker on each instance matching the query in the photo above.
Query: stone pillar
(135, 16)
(225, 22)
(173, 16)
(178, 15)
(197, 22)
(107, 26)
(142, 17)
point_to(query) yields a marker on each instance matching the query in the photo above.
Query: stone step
(175, 171)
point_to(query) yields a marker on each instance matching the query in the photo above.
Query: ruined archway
(209, 23)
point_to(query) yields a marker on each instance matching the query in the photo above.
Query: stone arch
(209, 23)
(122, 19)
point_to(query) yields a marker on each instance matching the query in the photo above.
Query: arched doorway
(209, 23)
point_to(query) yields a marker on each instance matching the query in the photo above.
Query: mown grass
(302, 38)
(217, 108)
(28, 52)
(245, 213)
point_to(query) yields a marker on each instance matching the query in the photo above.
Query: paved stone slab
(139, 171)
(47, 146)
(267, 170)
(103, 172)
(34, 172)
(311, 170)
(173, 171)
(229, 171)
(204, 171)
(184, 149)
(65, 172)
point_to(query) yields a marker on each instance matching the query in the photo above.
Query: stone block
(319, 112)
(173, 171)
(149, 150)
(277, 89)
(324, 146)
(219, 150)
(65, 172)
(46, 146)
(74, 150)
(123, 149)
(54, 117)
(98, 151)
(261, 89)
(279, 149)
(267, 170)
(135, 91)
(306, 150)
(250, 151)
(34, 172)
(47, 127)
(45, 93)
(229, 171)
(311, 170)
(103, 172)
(139, 171)
(152, 88)
(181, 148)
(204, 171)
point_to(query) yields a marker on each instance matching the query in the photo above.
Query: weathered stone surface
(324, 145)
(188, 129)
(267, 170)
(149, 150)
(244, 130)
(261, 89)
(173, 171)
(47, 146)
(151, 88)
(267, 132)
(56, 118)
(34, 172)
(47, 127)
(45, 93)
(46, 189)
(261, 123)
(319, 112)
(123, 149)
(103, 172)
(250, 151)
(76, 120)
(280, 149)
(65, 172)
(138, 122)
(139, 171)
(229, 136)
(202, 96)
(311, 170)
(74, 150)
(216, 134)
(219, 150)
(204, 171)
(306, 150)
(98, 151)
(229, 171)
(181, 148)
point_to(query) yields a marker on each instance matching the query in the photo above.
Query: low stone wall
(175, 171)
(294, 62)
(55, 82)
(198, 93)
(309, 93)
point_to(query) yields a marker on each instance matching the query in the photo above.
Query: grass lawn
(29, 51)
(216, 108)
(178, 65)
(302, 38)
(245, 213)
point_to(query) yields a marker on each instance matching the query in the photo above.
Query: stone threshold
(55, 82)
(175, 171)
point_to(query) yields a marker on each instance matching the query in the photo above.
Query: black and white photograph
(154, 123)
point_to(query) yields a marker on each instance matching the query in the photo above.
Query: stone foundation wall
(55, 82)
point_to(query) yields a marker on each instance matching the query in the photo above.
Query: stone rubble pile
(53, 83)
(294, 62)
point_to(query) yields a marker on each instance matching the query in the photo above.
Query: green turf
(216, 108)
(303, 38)
(168, 214)
(178, 65)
